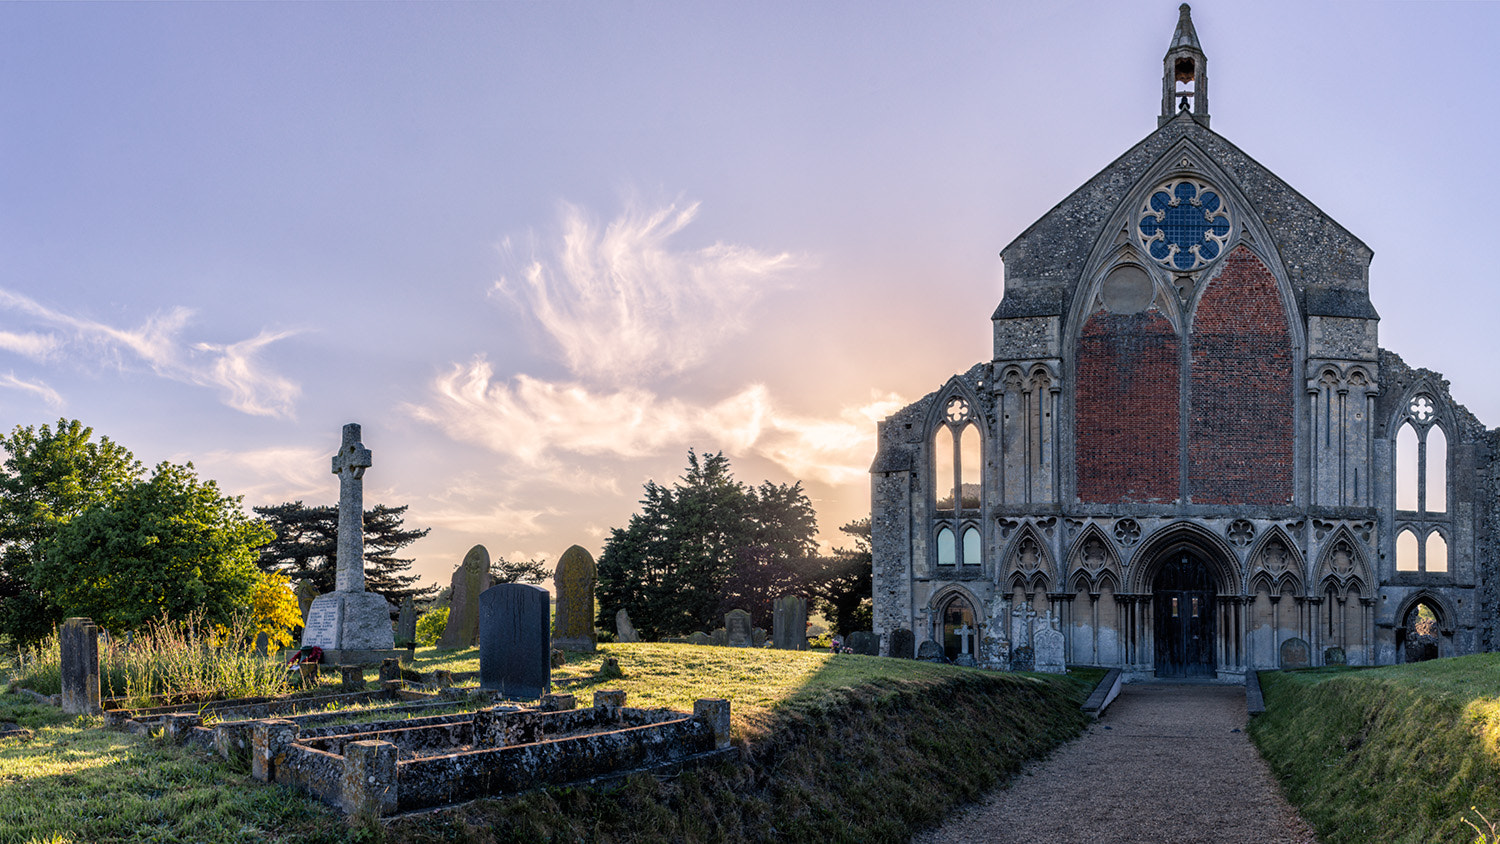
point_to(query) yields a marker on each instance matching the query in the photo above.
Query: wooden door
(1184, 611)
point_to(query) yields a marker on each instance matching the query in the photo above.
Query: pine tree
(307, 542)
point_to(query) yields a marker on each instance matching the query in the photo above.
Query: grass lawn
(1394, 754)
(837, 748)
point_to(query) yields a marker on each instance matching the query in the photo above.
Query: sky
(541, 250)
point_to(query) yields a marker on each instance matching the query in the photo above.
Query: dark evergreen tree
(841, 584)
(704, 545)
(306, 547)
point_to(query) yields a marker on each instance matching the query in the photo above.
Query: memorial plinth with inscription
(352, 626)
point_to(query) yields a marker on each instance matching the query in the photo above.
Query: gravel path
(1167, 764)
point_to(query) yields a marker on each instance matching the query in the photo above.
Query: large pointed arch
(1261, 565)
(1342, 561)
(1081, 567)
(1219, 557)
(1018, 571)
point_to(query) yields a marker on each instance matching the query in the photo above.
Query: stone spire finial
(1184, 84)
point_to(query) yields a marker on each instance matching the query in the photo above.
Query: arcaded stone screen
(1128, 406)
(1240, 394)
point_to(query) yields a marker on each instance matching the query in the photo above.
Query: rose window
(1184, 224)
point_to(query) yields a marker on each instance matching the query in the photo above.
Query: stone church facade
(1189, 454)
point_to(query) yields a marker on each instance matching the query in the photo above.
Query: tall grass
(168, 658)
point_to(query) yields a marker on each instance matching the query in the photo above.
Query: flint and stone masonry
(1188, 447)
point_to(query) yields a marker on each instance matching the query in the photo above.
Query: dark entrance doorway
(1184, 612)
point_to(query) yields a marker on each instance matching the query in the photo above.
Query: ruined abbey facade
(1190, 454)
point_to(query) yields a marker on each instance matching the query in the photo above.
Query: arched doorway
(1419, 636)
(1184, 609)
(958, 633)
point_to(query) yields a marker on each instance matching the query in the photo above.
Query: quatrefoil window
(1421, 409)
(1184, 224)
(958, 410)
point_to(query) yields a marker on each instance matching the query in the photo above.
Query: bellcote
(1184, 84)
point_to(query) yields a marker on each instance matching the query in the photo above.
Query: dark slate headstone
(1335, 656)
(863, 642)
(789, 623)
(514, 644)
(573, 626)
(931, 651)
(624, 630)
(1295, 653)
(79, 645)
(406, 623)
(902, 643)
(737, 626)
(1023, 659)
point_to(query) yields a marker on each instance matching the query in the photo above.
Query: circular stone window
(1127, 290)
(1184, 224)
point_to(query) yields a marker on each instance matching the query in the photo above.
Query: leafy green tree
(704, 545)
(306, 546)
(49, 477)
(841, 584)
(170, 544)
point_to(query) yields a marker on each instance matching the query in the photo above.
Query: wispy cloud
(271, 475)
(624, 306)
(233, 369)
(535, 422)
(47, 394)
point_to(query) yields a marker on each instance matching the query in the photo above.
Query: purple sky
(539, 250)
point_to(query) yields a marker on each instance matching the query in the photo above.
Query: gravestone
(624, 630)
(306, 594)
(1022, 659)
(573, 626)
(902, 643)
(1021, 619)
(406, 623)
(966, 636)
(789, 623)
(994, 648)
(1335, 656)
(698, 637)
(719, 638)
(737, 626)
(758, 637)
(863, 642)
(1047, 645)
(1295, 653)
(930, 651)
(78, 643)
(351, 625)
(470, 580)
(515, 647)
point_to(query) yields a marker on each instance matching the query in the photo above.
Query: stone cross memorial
(515, 649)
(351, 625)
(573, 629)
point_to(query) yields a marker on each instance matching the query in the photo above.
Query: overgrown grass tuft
(1397, 754)
(167, 658)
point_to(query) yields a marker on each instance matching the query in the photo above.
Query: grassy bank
(1395, 754)
(839, 748)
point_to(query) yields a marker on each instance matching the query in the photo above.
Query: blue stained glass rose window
(1184, 224)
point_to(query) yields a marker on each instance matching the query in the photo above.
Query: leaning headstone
(1047, 644)
(902, 643)
(573, 626)
(930, 651)
(78, 641)
(306, 594)
(406, 623)
(789, 623)
(624, 630)
(1295, 653)
(1335, 656)
(470, 580)
(350, 624)
(863, 642)
(514, 644)
(737, 626)
(698, 637)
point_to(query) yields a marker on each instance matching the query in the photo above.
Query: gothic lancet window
(1421, 489)
(957, 455)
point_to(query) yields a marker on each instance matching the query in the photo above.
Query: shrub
(430, 626)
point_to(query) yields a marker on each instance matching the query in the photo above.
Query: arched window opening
(1332, 600)
(959, 634)
(946, 552)
(1437, 470)
(1437, 552)
(1407, 473)
(972, 555)
(969, 462)
(1421, 633)
(1407, 552)
(942, 458)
